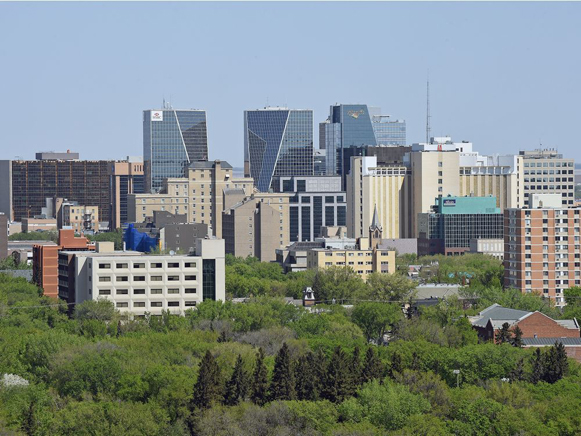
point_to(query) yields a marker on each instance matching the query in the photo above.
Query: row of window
(187, 278)
(171, 291)
(154, 304)
(140, 265)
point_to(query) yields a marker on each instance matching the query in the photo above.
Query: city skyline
(501, 75)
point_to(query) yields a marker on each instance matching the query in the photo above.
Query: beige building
(256, 226)
(78, 217)
(126, 178)
(199, 196)
(387, 188)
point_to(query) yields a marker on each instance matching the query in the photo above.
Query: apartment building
(547, 172)
(257, 225)
(141, 284)
(542, 251)
(80, 218)
(199, 196)
(387, 188)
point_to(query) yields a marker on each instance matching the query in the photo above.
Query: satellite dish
(171, 252)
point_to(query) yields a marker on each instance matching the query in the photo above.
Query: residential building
(45, 259)
(199, 195)
(294, 257)
(277, 142)
(317, 201)
(3, 236)
(490, 247)
(362, 255)
(455, 221)
(140, 284)
(386, 188)
(547, 172)
(257, 226)
(538, 329)
(127, 177)
(80, 218)
(172, 141)
(542, 251)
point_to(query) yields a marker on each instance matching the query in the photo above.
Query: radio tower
(428, 112)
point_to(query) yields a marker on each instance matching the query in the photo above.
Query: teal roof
(466, 205)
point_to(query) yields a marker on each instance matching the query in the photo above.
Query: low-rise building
(141, 284)
(39, 224)
(80, 218)
(490, 247)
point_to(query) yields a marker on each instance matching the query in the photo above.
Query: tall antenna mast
(428, 111)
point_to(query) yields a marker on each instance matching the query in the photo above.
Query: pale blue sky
(78, 75)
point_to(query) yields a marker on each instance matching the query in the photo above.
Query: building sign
(449, 202)
(355, 114)
(156, 115)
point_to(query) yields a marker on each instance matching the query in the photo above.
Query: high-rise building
(126, 178)
(172, 140)
(387, 188)
(257, 225)
(277, 142)
(547, 172)
(455, 221)
(199, 195)
(541, 251)
(317, 201)
(355, 125)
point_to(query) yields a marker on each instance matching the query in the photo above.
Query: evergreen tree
(416, 364)
(259, 380)
(556, 363)
(237, 386)
(354, 371)
(337, 377)
(395, 365)
(222, 338)
(504, 335)
(208, 387)
(518, 373)
(307, 383)
(516, 340)
(372, 368)
(538, 366)
(282, 386)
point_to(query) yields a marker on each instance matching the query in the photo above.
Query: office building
(455, 221)
(45, 259)
(140, 284)
(25, 186)
(317, 202)
(39, 225)
(362, 255)
(51, 155)
(3, 236)
(547, 172)
(199, 195)
(257, 225)
(388, 189)
(320, 163)
(542, 251)
(489, 247)
(277, 142)
(355, 125)
(172, 141)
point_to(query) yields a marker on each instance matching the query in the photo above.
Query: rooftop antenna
(428, 110)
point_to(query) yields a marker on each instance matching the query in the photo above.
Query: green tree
(338, 284)
(504, 335)
(282, 386)
(395, 365)
(259, 380)
(516, 340)
(372, 367)
(237, 386)
(518, 373)
(307, 383)
(375, 319)
(354, 368)
(556, 363)
(100, 310)
(336, 387)
(389, 287)
(208, 387)
(537, 366)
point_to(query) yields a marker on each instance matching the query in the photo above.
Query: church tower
(375, 230)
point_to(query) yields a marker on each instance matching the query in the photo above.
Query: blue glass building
(172, 140)
(277, 142)
(356, 125)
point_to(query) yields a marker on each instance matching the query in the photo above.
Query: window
(173, 265)
(156, 304)
(173, 304)
(105, 292)
(139, 292)
(156, 278)
(138, 278)
(189, 265)
(104, 279)
(122, 279)
(190, 290)
(190, 303)
(122, 304)
(190, 278)
(138, 265)
(122, 265)
(173, 278)
(155, 291)
(139, 304)
(104, 266)
(173, 291)
(156, 265)
(121, 292)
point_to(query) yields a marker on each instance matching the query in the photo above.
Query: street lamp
(457, 372)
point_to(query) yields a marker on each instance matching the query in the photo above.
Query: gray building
(51, 155)
(318, 201)
(172, 140)
(3, 236)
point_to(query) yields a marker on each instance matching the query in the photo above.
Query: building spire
(375, 221)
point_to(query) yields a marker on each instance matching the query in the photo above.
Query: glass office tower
(277, 142)
(172, 140)
(389, 132)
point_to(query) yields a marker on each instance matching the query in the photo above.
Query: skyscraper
(277, 142)
(172, 140)
(355, 125)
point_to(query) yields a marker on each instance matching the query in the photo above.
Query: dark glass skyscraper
(277, 142)
(172, 140)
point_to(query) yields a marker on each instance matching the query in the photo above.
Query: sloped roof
(542, 342)
(499, 314)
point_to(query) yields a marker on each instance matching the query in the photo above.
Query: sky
(77, 76)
